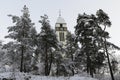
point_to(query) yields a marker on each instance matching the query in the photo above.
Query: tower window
(61, 35)
(56, 28)
(61, 25)
(61, 29)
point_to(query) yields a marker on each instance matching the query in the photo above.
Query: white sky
(69, 8)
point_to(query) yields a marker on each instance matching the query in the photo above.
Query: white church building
(61, 29)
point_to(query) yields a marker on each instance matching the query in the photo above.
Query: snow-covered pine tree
(93, 37)
(35, 44)
(71, 47)
(12, 55)
(48, 41)
(86, 31)
(20, 32)
(103, 19)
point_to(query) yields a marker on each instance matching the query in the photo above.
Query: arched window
(61, 25)
(61, 35)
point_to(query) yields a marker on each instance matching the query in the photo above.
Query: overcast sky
(69, 11)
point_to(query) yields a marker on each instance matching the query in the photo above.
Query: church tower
(61, 29)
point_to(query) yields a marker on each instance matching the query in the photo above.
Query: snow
(62, 78)
(26, 76)
(60, 20)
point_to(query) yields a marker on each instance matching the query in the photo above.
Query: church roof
(60, 20)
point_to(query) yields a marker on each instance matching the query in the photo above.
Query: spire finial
(59, 13)
(25, 9)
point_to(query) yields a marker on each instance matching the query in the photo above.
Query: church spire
(59, 13)
(25, 9)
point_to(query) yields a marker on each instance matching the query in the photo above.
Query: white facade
(61, 30)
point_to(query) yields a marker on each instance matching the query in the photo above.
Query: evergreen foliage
(21, 32)
(85, 51)
(48, 41)
(92, 36)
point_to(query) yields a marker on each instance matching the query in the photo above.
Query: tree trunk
(72, 61)
(25, 68)
(57, 72)
(73, 73)
(22, 57)
(88, 63)
(89, 66)
(51, 60)
(91, 70)
(111, 72)
(71, 56)
(46, 61)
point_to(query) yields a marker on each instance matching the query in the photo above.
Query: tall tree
(103, 19)
(71, 47)
(87, 31)
(92, 36)
(48, 41)
(21, 33)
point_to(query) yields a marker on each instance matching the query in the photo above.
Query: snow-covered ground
(23, 76)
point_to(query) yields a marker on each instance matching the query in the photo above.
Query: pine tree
(71, 47)
(104, 20)
(93, 37)
(20, 32)
(48, 41)
(87, 31)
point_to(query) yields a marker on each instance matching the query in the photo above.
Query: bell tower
(61, 29)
